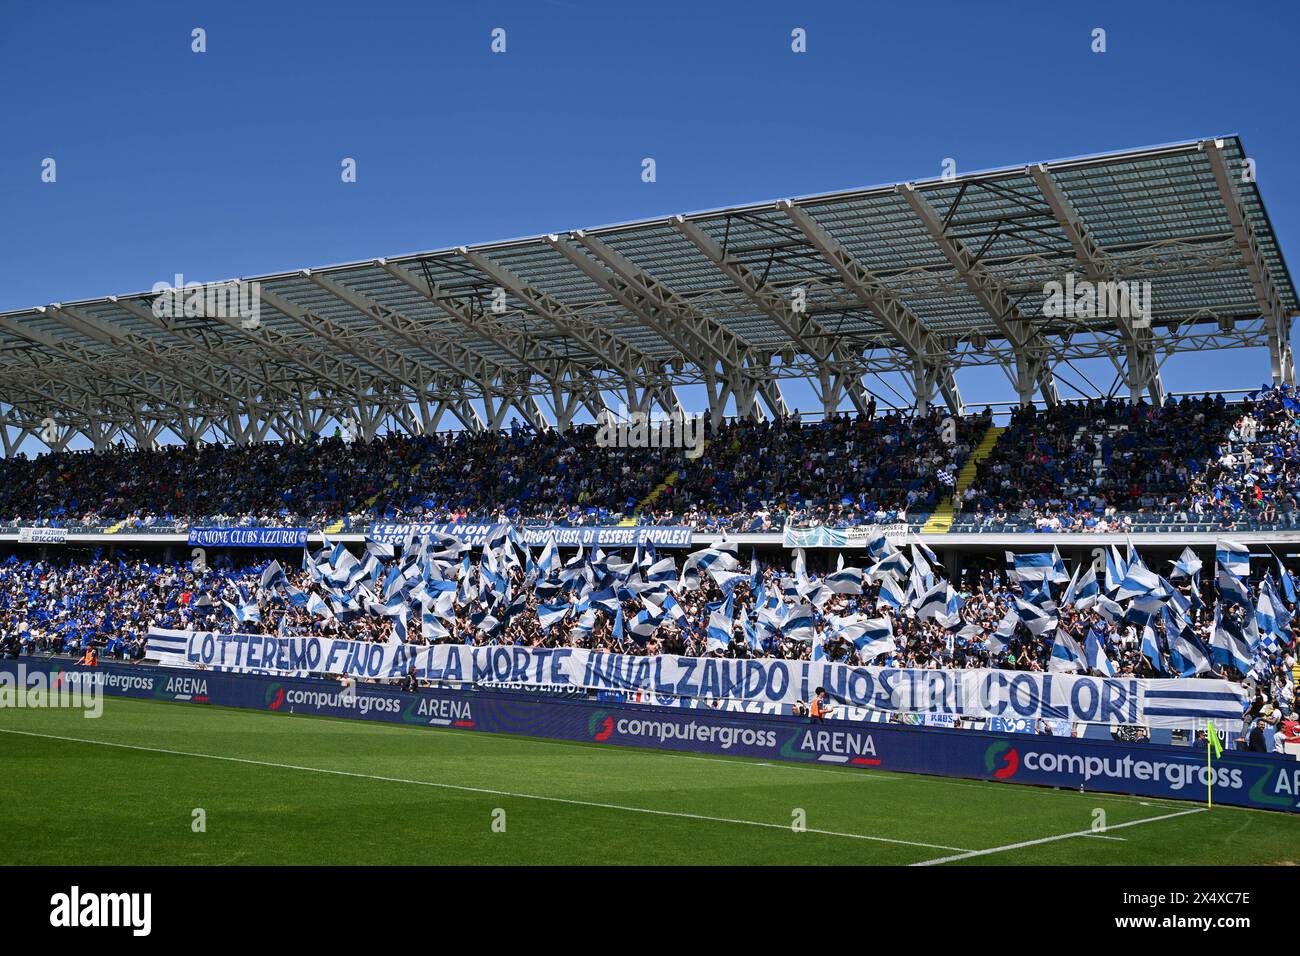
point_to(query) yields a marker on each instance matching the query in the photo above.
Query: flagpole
(1211, 744)
(1209, 783)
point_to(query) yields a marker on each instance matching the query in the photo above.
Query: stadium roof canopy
(921, 279)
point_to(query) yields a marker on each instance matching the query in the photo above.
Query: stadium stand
(841, 471)
(1193, 463)
(988, 617)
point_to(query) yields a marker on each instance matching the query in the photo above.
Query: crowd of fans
(1089, 466)
(110, 604)
(751, 475)
(1108, 466)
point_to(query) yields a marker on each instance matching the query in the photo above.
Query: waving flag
(892, 565)
(548, 615)
(1151, 646)
(1187, 654)
(605, 600)
(701, 561)
(819, 646)
(934, 602)
(718, 633)
(1232, 589)
(727, 580)
(1095, 654)
(797, 625)
(1036, 620)
(550, 557)
(1234, 644)
(1138, 581)
(891, 593)
(643, 627)
(871, 638)
(845, 581)
(318, 607)
(273, 576)
(1084, 589)
(244, 613)
(1233, 557)
(1271, 615)
(1031, 568)
(431, 626)
(997, 641)
(1288, 585)
(1186, 567)
(1067, 656)
(663, 572)
(1116, 568)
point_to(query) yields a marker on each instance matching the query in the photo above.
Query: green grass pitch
(123, 788)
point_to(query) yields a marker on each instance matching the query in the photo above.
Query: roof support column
(1270, 305)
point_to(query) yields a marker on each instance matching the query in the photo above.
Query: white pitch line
(1052, 839)
(482, 790)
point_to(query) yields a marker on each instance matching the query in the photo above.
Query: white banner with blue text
(975, 693)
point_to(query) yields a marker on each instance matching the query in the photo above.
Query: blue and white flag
(871, 638)
(273, 576)
(1031, 568)
(934, 602)
(1187, 654)
(1233, 557)
(1138, 582)
(1116, 568)
(1059, 574)
(1271, 615)
(727, 580)
(246, 611)
(1084, 590)
(997, 641)
(1067, 656)
(318, 606)
(845, 581)
(1232, 589)
(1288, 584)
(1233, 644)
(1151, 646)
(704, 560)
(891, 565)
(719, 628)
(1109, 610)
(1186, 567)
(1036, 620)
(550, 557)
(643, 626)
(892, 593)
(798, 623)
(663, 572)
(1095, 654)
(548, 615)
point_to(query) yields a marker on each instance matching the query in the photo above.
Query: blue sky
(227, 163)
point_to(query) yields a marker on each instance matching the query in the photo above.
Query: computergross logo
(1010, 760)
(274, 697)
(600, 726)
